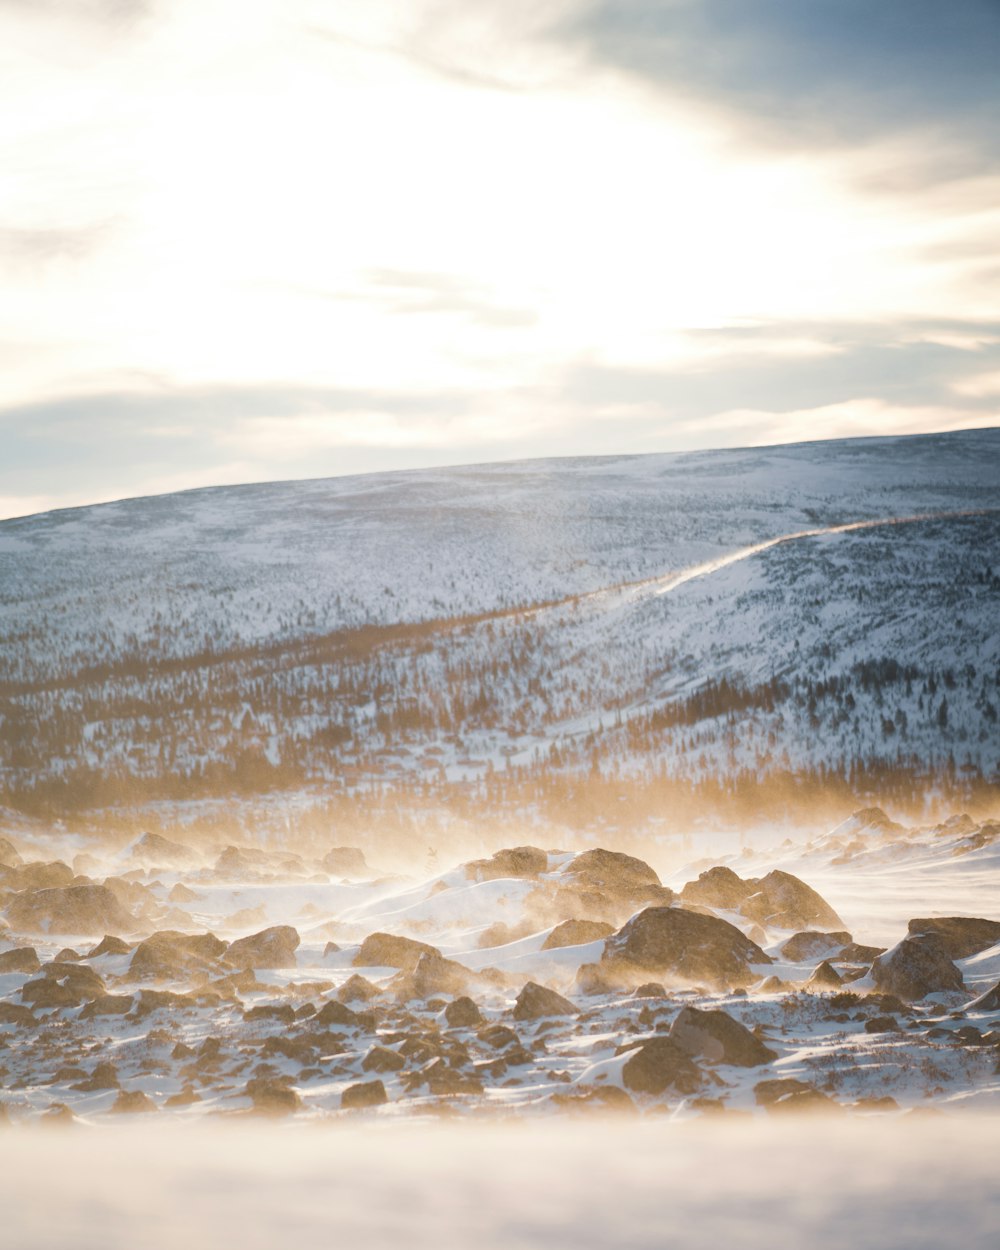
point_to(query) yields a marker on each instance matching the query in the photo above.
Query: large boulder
(172, 956)
(576, 933)
(21, 959)
(271, 948)
(613, 872)
(536, 1001)
(658, 1065)
(784, 902)
(389, 950)
(717, 1037)
(916, 966)
(345, 861)
(432, 975)
(39, 876)
(70, 909)
(961, 936)
(685, 946)
(718, 887)
(512, 861)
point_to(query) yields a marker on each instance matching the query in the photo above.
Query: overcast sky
(254, 239)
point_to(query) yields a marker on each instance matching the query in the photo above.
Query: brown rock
(365, 1094)
(382, 1059)
(717, 1037)
(107, 1005)
(536, 1001)
(71, 909)
(960, 936)
(718, 887)
(463, 1014)
(22, 959)
(782, 901)
(388, 950)
(658, 1065)
(131, 1101)
(173, 956)
(346, 861)
(811, 944)
(917, 966)
(272, 1096)
(689, 946)
(513, 861)
(576, 933)
(271, 948)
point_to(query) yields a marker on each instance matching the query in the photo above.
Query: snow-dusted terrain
(602, 642)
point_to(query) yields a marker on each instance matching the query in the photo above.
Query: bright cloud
(466, 216)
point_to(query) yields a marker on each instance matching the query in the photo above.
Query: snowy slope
(573, 617)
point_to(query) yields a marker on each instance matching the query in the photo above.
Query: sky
(243, 240)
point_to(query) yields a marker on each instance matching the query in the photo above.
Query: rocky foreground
(530, 981)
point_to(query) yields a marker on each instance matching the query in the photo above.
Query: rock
(130, 1101)
(536, 1001)
(855, 953)
(499, 1036)
(463, 1013)
(811, 944)
(990, 1001)
(717, 1037)
(809, 1101)
(784, 902)
(767, 1092)
(180, 893)
(271, 948)
(334, 1012)
(388, 950)
(366, 1094)
(284, 1012)
(108, 945)
(272, 1096)
(172, 956)
(576, 933)
(63, 985)
(917, 966)
(153, 848)
(685, 944)
(658, 1065)
(650, 989)
(961, 936)
(433, 975)
(107, 1005)
(17, 1015)
(824, 977)
(21, 959)
(718, 887)
(104, 1076)
(70, 909)
(382, 1059)
(148, 1001)
(595, 1098)
(500, 934)
(345, 861)
(39, 876)
(357, 989)
(611, 872)
(513, 861)
(331, 948)
(9, 855)
(882, 1024)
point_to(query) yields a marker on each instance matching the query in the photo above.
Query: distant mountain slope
(512, 632)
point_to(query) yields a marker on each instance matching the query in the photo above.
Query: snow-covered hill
(580, 632)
